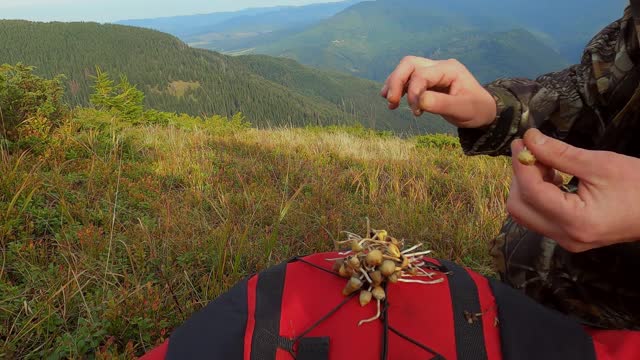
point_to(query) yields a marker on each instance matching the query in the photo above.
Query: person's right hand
(444, 88)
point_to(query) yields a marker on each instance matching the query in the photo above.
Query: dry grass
(116, 233)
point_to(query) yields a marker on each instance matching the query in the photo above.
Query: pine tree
(124, 98)
(129, 100)
(102, 90)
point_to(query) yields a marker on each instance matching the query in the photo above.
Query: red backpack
(296, 310)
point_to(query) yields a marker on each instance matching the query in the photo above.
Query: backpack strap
(530, 331)
(264, 338)
(215, 332)
(469, 334)
(268, 304)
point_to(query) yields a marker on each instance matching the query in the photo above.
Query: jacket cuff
(494, 139)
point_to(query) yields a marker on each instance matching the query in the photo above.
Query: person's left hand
(604, 211)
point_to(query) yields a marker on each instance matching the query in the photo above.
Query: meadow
(114, 228)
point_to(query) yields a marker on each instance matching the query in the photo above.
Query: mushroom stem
(430, 275)
(441, 280)
(373, 318)
(352, 236)
(366, 276)
(412, 248)
(419, 253)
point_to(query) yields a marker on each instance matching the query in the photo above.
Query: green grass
(114, 233)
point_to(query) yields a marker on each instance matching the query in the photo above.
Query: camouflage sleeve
(573, 105)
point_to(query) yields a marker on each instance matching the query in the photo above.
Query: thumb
(559, 155)
(449, 106)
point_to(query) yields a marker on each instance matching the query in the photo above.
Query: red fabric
(251, 319)
(616, 345)
(159, 353)
(421, 312)
(309, 294)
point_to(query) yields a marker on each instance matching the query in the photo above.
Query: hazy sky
(110, 10)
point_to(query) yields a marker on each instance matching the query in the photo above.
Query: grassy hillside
(114, 231)
(370, 38)
(178, 78)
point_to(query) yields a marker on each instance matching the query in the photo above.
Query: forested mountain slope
(178, 78)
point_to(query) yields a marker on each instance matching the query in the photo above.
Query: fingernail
(417, 112)
(539, 139)
(384, 89)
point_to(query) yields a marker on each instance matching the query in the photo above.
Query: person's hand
(604, 211)
(444, 88)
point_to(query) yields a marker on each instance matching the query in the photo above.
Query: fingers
(398, 81)
(415, 89)
(524, 215)
(449, 106)
(444, 88)
(542, 195)
(560, 155)
(530, 218)
(385, 90)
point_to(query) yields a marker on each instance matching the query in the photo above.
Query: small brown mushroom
(354, 263)
(345, 271)
(378, 293)
(394, 278)
(387, 268)
(353, 285)
(376, 277)
(365, 297)
(374, 258)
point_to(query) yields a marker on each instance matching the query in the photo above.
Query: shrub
(29, 105)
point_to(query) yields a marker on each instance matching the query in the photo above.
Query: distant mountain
(228, 31)
(178, 78)
(192, 24)
(369, 39)
(566, 26)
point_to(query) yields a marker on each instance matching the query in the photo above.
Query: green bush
(29, 105)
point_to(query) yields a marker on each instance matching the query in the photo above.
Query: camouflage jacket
(575, 105)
